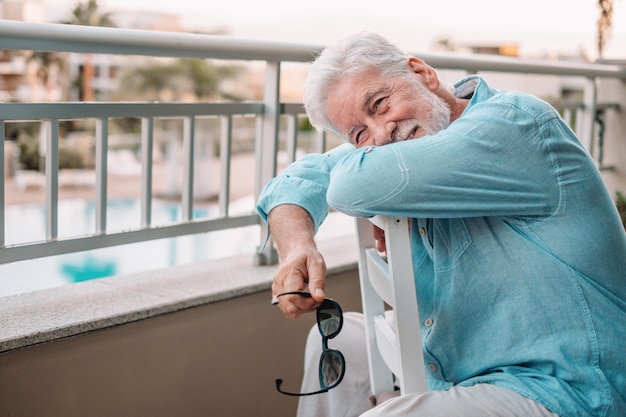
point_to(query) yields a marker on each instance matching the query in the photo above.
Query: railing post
(585, 122)
(291, 146)
(613, 91)
(2, 168)
(102, 149)
(267, 149)
(226, 134)
(147, 139)
(189, 134)
(51, 133)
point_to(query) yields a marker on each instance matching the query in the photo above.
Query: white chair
(394, 344)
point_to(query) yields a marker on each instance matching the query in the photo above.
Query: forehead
(358, 83)
(350, 94)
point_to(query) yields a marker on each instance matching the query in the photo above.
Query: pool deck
(80, 183)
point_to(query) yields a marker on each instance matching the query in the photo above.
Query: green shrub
(30, 158)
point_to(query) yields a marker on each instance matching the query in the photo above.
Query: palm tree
(88, 14)
(604, 24)
(49, 71)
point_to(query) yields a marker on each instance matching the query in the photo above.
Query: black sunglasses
(332, 363)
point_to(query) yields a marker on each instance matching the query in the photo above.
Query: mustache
(405, 130)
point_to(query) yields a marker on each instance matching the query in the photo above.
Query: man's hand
(379, 237)
(302, 266)
(302, 270)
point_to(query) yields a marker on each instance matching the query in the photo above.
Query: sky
(536, 26)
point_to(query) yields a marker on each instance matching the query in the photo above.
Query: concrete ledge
(42, 316)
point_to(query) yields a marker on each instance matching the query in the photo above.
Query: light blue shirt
(518, 251)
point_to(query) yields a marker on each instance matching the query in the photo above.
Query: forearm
(303, 183)
(292, 229)
(302, 266)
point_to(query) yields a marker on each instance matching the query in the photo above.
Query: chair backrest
(394, 344)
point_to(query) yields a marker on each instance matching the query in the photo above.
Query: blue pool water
(26, 223)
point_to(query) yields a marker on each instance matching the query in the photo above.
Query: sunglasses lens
(332, 367)
(329, 318)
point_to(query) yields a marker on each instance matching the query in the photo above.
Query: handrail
(102, 40)
(16, 35)
(53, 112)
(89, 39)
(16, 111)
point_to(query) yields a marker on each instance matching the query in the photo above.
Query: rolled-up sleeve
(498, 160)
(304, 183)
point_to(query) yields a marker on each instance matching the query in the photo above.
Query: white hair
(353, 55)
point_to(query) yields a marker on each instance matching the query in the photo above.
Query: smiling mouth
(406, 134)
(412, 134)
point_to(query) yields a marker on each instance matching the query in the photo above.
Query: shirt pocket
(450, 239)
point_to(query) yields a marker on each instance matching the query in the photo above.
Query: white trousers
(351, 397)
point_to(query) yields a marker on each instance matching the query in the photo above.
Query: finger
(379, 237)
(294, 306)
(289, 277)
(317, 279)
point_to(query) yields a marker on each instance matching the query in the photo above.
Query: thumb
(317, 282)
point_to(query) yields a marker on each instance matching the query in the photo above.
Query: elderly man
(518, 252)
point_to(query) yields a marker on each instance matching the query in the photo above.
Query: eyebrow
(368, 97)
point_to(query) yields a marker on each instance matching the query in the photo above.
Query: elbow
(347, 198)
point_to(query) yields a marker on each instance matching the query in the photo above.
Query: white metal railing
(68, 38)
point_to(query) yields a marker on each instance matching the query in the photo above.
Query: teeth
(410, 132)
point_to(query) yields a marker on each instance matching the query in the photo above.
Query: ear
(425, 71)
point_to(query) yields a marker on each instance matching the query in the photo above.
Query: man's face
(373, 110)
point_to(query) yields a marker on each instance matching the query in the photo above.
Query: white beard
(439, 118)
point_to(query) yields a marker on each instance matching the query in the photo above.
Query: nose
(382, 133)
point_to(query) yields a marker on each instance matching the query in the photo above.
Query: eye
(360, 137)
(378, 103)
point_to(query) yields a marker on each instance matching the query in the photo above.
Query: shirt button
(432, 367)
(428, 322)
(422, 231)
(368, 149)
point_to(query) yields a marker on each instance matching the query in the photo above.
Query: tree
(89, 14)
(604, 24)
(174, 80)
(47, 70)
(445, 43)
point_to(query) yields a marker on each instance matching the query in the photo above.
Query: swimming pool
(26, 223)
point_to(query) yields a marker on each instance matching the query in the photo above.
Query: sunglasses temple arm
(279, 382)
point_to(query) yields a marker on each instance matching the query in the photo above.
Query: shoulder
(510, 103)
